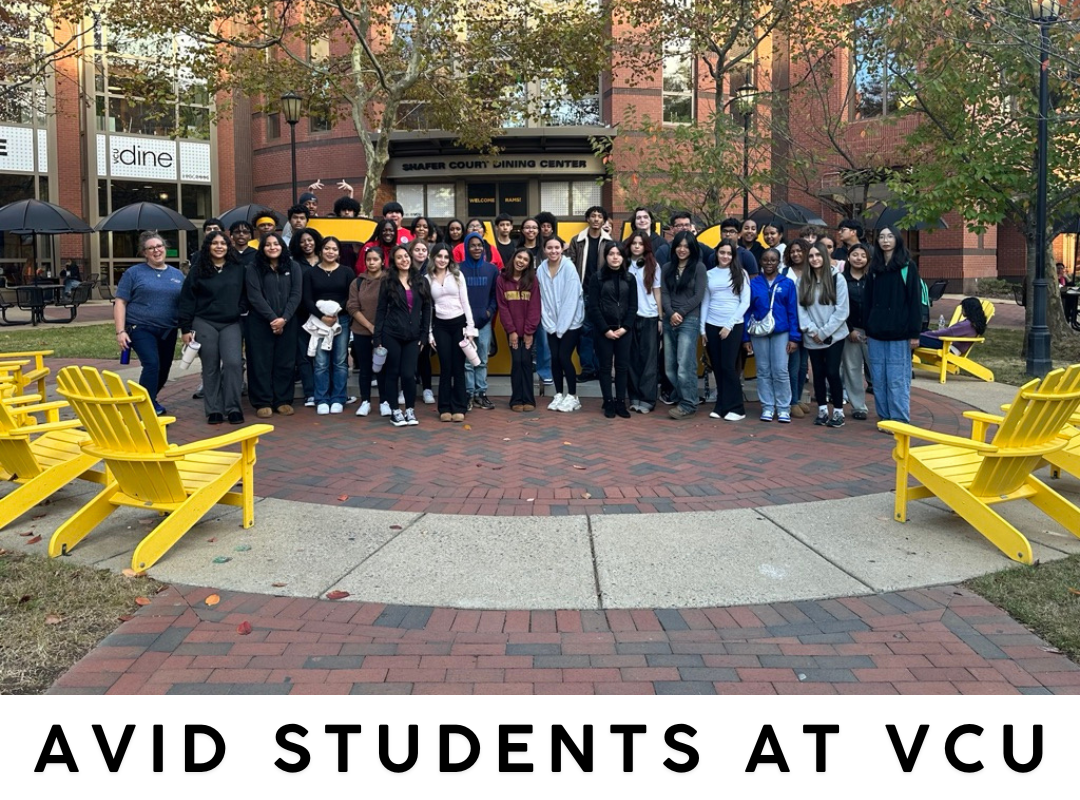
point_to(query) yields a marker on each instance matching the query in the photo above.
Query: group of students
(633, 311)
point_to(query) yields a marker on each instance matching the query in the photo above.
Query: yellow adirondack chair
(24, 368)
(1067, 458)
(943, 362)
(40, 457)
(145, 471)
(970, 475)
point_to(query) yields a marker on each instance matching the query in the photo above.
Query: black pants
(401, 358)
(724, 357)
(448, 334)
(362, 347)
(644, 356)
(825, 363)
(562, 359)
(271, 359)
(305, 364)
(617, 351)
(521, 374)
(423, 365)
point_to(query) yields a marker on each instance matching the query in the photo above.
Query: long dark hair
(803, 245)
(972, 309)
(672, 281)
(327, 241)
(396, 292)
(262, 262)
(738, 274)
(648, 258)
(900, 258)
(294, 243)
(605, 270)
(446, 232)
(206, 264)
(528, 276)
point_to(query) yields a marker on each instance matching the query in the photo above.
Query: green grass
(1001, 353)
(52, 614)
(1045, 597)
(84, 341)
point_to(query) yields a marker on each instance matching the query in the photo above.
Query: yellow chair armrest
(982, 416)
(53, 405)
(47, 427)
(22, 399)
(28, 354)
(914, 432)
(962, 338)
(12, 365)
(217, 442)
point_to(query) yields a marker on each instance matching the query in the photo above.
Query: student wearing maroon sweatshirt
(518, 295)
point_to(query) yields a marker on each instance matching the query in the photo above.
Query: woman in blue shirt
(145, 312)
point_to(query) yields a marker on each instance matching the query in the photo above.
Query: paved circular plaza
(546, 463)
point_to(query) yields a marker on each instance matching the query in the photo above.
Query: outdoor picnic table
(35, 297)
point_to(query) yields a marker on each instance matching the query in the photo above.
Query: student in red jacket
(518, 295)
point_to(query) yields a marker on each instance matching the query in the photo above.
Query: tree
(430, 64)
(711, 48)
(974, 149)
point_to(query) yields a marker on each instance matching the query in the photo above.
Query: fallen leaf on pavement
(343, 498)
(278, 585)
(212, 539)
(39, 516)
(125, 617)
(33, 540)
(244, 628)
(26, 598)
(222, 560)
(395, 527)
(578, 466)
(242, 548)
(587, 496)
(128, 572)
(53, 619)
(567, 442)
(337, 594)
(467, 427)
(212, 600)
(27, 533)
(142, 601)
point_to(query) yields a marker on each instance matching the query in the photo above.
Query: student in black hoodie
(893, 307)
(611, 304)
(402, 322)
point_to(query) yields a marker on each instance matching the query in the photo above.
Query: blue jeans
(476, 377)
(680, 360)
(890, 372)
(543, 355)
(332, 367)
(798, 365)
(155, 348)
(774, 384)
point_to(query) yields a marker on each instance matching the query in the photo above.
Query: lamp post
(1044, 13)
(291, 106)
(744, 104)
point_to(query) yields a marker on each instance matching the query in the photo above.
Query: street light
(1044, 13)
(744, 104)
(291, 107)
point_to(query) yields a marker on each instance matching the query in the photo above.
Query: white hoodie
(562, 302)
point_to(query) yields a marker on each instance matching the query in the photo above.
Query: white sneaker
(375, 382)
(398, 420)
(429, 397)
(351, 399)
(556, 402)
(401, 398)
(410, 417)
(384, 409)
(336, 408)
(570, 403)
(309, 403)
(364, 410)
(323, 409)
(731, 416)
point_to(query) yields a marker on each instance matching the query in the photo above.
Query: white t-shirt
(646, 301)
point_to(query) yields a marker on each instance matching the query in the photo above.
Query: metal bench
(79, 295)
(8, 301)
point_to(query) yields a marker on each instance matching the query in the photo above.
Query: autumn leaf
(278, 585)
(342, 498)
(568, 443)
(212, 539)
(467, 427)
(222, 560)
(26, 598)
(53, 619)
(337, 594)
(27, 533)
(395, 527)
(587, 496)
(578, 466)
(142, 601)
(128, 572)
(125, 617)
(212, 600)
(33, 540)
(1074, 591)
(244, 628)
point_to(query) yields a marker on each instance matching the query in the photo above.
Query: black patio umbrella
(37, 216)
(788, 214)
(249, 213)
(145, 217)
(881, 215)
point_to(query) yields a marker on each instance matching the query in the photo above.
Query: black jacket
(274, 294)
(219, 297)
(394, 320)
(893, 307)
(856, 294)
(611, 300)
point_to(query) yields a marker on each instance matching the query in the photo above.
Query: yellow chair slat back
(121, 420)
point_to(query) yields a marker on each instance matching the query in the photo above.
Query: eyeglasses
(155, 247)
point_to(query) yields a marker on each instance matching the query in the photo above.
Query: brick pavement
(942, 640)
(545, 463)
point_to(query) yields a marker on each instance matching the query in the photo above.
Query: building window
(557, 109)
(879, 76)
(273, 126)
(319, 123)
(678, 85)
(569, 198)
(435, 200)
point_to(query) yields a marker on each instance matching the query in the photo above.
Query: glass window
(319, 123)
(879, 76)
(584, 195)
(555, 197)
(440, 200)
(196, 201)
(427, 199)
(678, 83)
(273, 126)
(411, 197)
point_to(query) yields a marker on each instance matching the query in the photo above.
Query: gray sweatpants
(851, 371)
(221, 355)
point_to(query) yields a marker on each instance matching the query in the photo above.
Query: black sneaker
(822, 417)
(621, 410)
(215, 419)
(482, 401)
(667, 398)
(609, 409)
(586, 376)
(836, 420)
(236, 418)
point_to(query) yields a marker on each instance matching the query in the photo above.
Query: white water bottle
(941, 322)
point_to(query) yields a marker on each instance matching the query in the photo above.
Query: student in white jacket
(727, 298)
(562, 312)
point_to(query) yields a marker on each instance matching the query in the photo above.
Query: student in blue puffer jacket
(769, 288)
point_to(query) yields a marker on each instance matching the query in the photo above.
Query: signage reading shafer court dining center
(517, 164)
